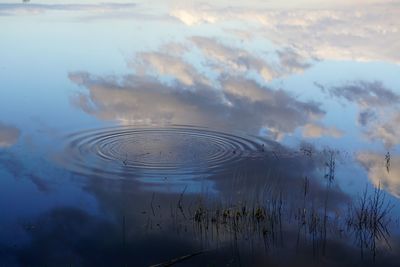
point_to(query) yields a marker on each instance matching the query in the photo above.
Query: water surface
(215, 133)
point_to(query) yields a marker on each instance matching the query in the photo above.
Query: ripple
(129, 152)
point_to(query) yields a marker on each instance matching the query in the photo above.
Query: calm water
(201, 133)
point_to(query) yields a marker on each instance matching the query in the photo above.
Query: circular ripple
(127, 152)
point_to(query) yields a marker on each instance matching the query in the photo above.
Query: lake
(199, 133)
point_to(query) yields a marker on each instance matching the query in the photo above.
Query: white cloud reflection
(362, 33)
(170, 65)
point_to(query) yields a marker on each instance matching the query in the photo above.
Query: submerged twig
(177, 260)
(180, 207)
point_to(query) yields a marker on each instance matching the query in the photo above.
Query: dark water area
(199, 134)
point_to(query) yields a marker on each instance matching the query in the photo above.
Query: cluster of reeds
(368, 220)
(242, 221)
(310, 223)
(267, 214)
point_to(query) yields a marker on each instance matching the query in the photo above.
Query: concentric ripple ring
(129, 152)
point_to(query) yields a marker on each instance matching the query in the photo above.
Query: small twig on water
(177, 260)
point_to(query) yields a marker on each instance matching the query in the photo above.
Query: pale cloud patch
(8, 135)
(166, 64)
(190, 18)
(387, 130)
(317, 130)
(378, 173)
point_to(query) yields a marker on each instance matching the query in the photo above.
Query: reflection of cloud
(218, 59)
(379, 109)
(241, 104)
(225, 97)
(233, 59)
(291, 61)
(375, 165)
(366, 33)
(230, 59)
(364, 117)
(366, 94)
(316, 130)
(170, 65)
(387, 130)
(8, 135)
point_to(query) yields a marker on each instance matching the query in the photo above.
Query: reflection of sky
(327, 74)
(107, 46)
